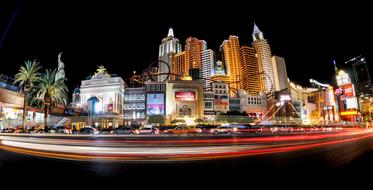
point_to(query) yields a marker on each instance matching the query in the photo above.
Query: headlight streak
(172, 150)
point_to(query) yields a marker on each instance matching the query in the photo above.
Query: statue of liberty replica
(60, 71)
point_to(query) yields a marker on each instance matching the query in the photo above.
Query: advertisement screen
(221, 100)
(351, 103)
(185, 96)
(338, 91)
(348, 90)
(155, 104)
(221, 103)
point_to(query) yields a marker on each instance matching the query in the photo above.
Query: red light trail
(151, 150)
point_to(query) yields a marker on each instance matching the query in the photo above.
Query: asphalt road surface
(334, 160)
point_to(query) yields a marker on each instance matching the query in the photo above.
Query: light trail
(117, 150)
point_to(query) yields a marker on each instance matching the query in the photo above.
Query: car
(8, 130)
(106, 131)
(223, 130)
(40, 130)
(20, 130)
(126, 130)
(282, 129)
(183, 129)
(60, 129)
(147, 130)
(206, 129)
(89, 130)
(163, 128)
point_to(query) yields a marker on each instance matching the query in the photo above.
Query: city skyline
(83, 45)
(185, 93)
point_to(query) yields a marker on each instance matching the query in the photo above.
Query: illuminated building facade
(280, 74)
(263, 52)
(184, 100)
(107, 91)
(231, 57)
(11, 103)
(167, 49)
(207, 69)
(251, 80)
(347, 100)
(221, 96)
(315, 105)
(254, 106)
(134, 106)
(208, 99)
(364, 87)
(155, 98)
(324, 104)
(11, 107)
(193, 50)
(180, 67)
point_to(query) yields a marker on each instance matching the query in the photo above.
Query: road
(307, 158)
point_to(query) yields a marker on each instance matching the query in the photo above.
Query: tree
(178, 121)
(26, 78)
(234, 117)
(198, 120)
(156, 119)
(48, 93)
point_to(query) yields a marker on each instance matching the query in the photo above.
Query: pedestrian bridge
(10, 98)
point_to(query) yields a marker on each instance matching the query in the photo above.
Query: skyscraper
(263, 51)
(208, 60)
(231, 58)
(193, 50)
(280, 74)
(179, 65)
(362, 77)
(251, 80)
(168, 48)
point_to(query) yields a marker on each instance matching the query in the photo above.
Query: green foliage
(177, 121)
(47, 88)
(233, 119)
(28, 75)
(156, 119)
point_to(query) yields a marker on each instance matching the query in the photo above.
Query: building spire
(256, 29)
(335, 67)
(170, 32)
(257, 34)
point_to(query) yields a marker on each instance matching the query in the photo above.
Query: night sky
(308, 36)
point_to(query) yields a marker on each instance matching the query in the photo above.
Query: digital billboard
(185, 96)
(348, 90)
(155, 104)
(351, 103)
(221, 103)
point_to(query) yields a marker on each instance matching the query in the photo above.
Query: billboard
(351, 103)
(185, 96)
(348, 90)
(221, 103)
(155, 104)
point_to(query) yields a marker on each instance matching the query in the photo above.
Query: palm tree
(49, 93)
(26, 78)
